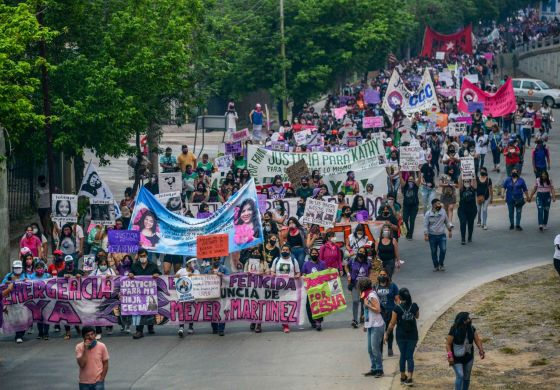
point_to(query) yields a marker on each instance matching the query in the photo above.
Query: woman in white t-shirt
(285, 265)
(374, 325)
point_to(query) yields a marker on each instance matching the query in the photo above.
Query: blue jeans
(92, 386)
(407, 348)
(463, 375)
(393, 185)
(299, 254)
(374, 339)
(428, 194)
(438, 241)
(517, 210)
(526, 136)
(543, 207)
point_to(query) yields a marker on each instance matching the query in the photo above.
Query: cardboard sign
(139, 296)
(318, 212)
(473, 106)
(241, 135)
(369, 122)
(467, 167)
(170, 182)
(324, 291)
(213, 245)
(410, 158)
(340, 112)
(473, 78)
(296, 171)
(234, 148)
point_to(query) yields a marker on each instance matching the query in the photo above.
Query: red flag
(460, 42)
(496, 104)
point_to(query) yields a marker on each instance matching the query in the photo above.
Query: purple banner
(123, 241)
(234, 148)
(139, 295)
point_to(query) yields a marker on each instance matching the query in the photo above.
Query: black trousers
(467, 215)
(409, 218)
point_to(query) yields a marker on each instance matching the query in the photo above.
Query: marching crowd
(517, 144)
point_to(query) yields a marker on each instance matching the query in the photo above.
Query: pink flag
(495, 104)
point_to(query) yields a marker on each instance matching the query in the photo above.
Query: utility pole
(5, 262)
(283, 55)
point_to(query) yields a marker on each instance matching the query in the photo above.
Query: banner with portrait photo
(163, 231)
(64, 208)
(171, 201)
(102, 211)
(92, 186)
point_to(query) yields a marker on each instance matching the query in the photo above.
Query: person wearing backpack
(404, 316)
(387, 292)
(467, 210)
(460, 351)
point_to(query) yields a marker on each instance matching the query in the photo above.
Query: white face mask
(386, 233)
(18, 271)
(467, 185)
(143, 260)
(359, 234)
(333, 239)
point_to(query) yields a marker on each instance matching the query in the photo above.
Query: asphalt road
(332, 359)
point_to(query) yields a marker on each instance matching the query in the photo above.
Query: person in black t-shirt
(410, 203)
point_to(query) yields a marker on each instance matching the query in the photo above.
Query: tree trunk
(137, 166)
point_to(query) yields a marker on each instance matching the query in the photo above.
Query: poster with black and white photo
(92, 186)
(467, 167)
(169, 182)
(102, 211)
(318, 212)
(171, 201)
(64, 208)
(410, 158)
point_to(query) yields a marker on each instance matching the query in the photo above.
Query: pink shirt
(330, 254)
(91, 372)
(33, 243)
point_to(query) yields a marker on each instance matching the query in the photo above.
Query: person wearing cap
(17, 275)
(186, 158)
(435, 223)
(168, 162)
(143, 267)
(256, 117)
(460, 351)
(188, 270)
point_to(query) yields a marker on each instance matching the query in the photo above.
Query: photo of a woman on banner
(246, 222)
(146, 223)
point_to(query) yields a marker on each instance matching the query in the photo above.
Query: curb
(429, 322)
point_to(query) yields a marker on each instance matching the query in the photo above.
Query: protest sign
(170, 182)
(162, 231)
(464, 119)
(473, 106)
(102, 211)
(233, 148)
(440, 55)
(123, 241)
(263, 163)
(138, 296)
(92, 186)
(410, 102)
(319, 212)
(473, 78)
(194, 208)
(240, 135)
(93, 300)
(197, 287)
(340, 112)
(278, 146)
(213, 245)
(495, 104)
(369, 122)
(410, 158)
(262, 202)
(64, 208)
(371, 96)
(467, 167)
(324, 291)
(301, 137)
(171, 201)
(456, 129)
(223, 163)
(296, 171)
(441, 120)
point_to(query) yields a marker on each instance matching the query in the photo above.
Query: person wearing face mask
(345, 216)
(484, 195)
(277, 190)
(351, 185)
(357, 268)
(102, 269)
(387, 292)
(427, 185)
(296, 237)
(304, 191)
(411, 204)
(269, 225)
(545, 193)
(513, 156)
(140, 268)
(187, 271)
(386, 214)
(467, 207)
(32, 242)
(515, 188)
(186, 158)
(200, 195)
(481, 149)
(330, 252)
(28, 262)
(256, 117)
(167, 162)
(355, 241)
(435, 223)
(285, 265)
(271, 250)
(313, 264)
(17, 275)
(460, 352)
(279, 214)
(387, 249)
(43, 199)
(44, 242)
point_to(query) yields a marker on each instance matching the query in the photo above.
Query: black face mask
(514, 175)
(382, 279)
(314, 257)
(285, 254)
(361, 256)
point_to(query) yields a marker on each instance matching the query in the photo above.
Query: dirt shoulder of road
(518, 318)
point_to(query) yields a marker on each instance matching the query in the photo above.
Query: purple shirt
(358, 270)
(310, 266)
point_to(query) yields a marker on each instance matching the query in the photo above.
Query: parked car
(536, 91)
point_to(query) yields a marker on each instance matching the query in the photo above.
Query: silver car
(536, 91)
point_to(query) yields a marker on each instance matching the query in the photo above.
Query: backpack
(408, 321)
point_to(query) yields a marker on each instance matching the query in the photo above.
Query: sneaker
(57, 328)
(319, 327)
(221, 333)
(541, 228)
(478, 224)
(484, 227)
(545, 227)
(151, 331)
(30, 330)
(122, 328)
(436, 269)
(98, 336)
(127, 329)
(46, 338)
(181, 332)
(285, 328)
(252, 327)
(463, 243)
(379, 374)
(19, 340)
(390, 352)
(313, 325)
(190, 330)
(371, 373)
(408, 382)
(403, 380)
(258, 328)
(510, 227)
(451, 225)
(441, 268)
(354, 325)
(39, 337)
(518, 228)
(138, 335)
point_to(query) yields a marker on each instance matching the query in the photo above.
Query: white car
(536, 91)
